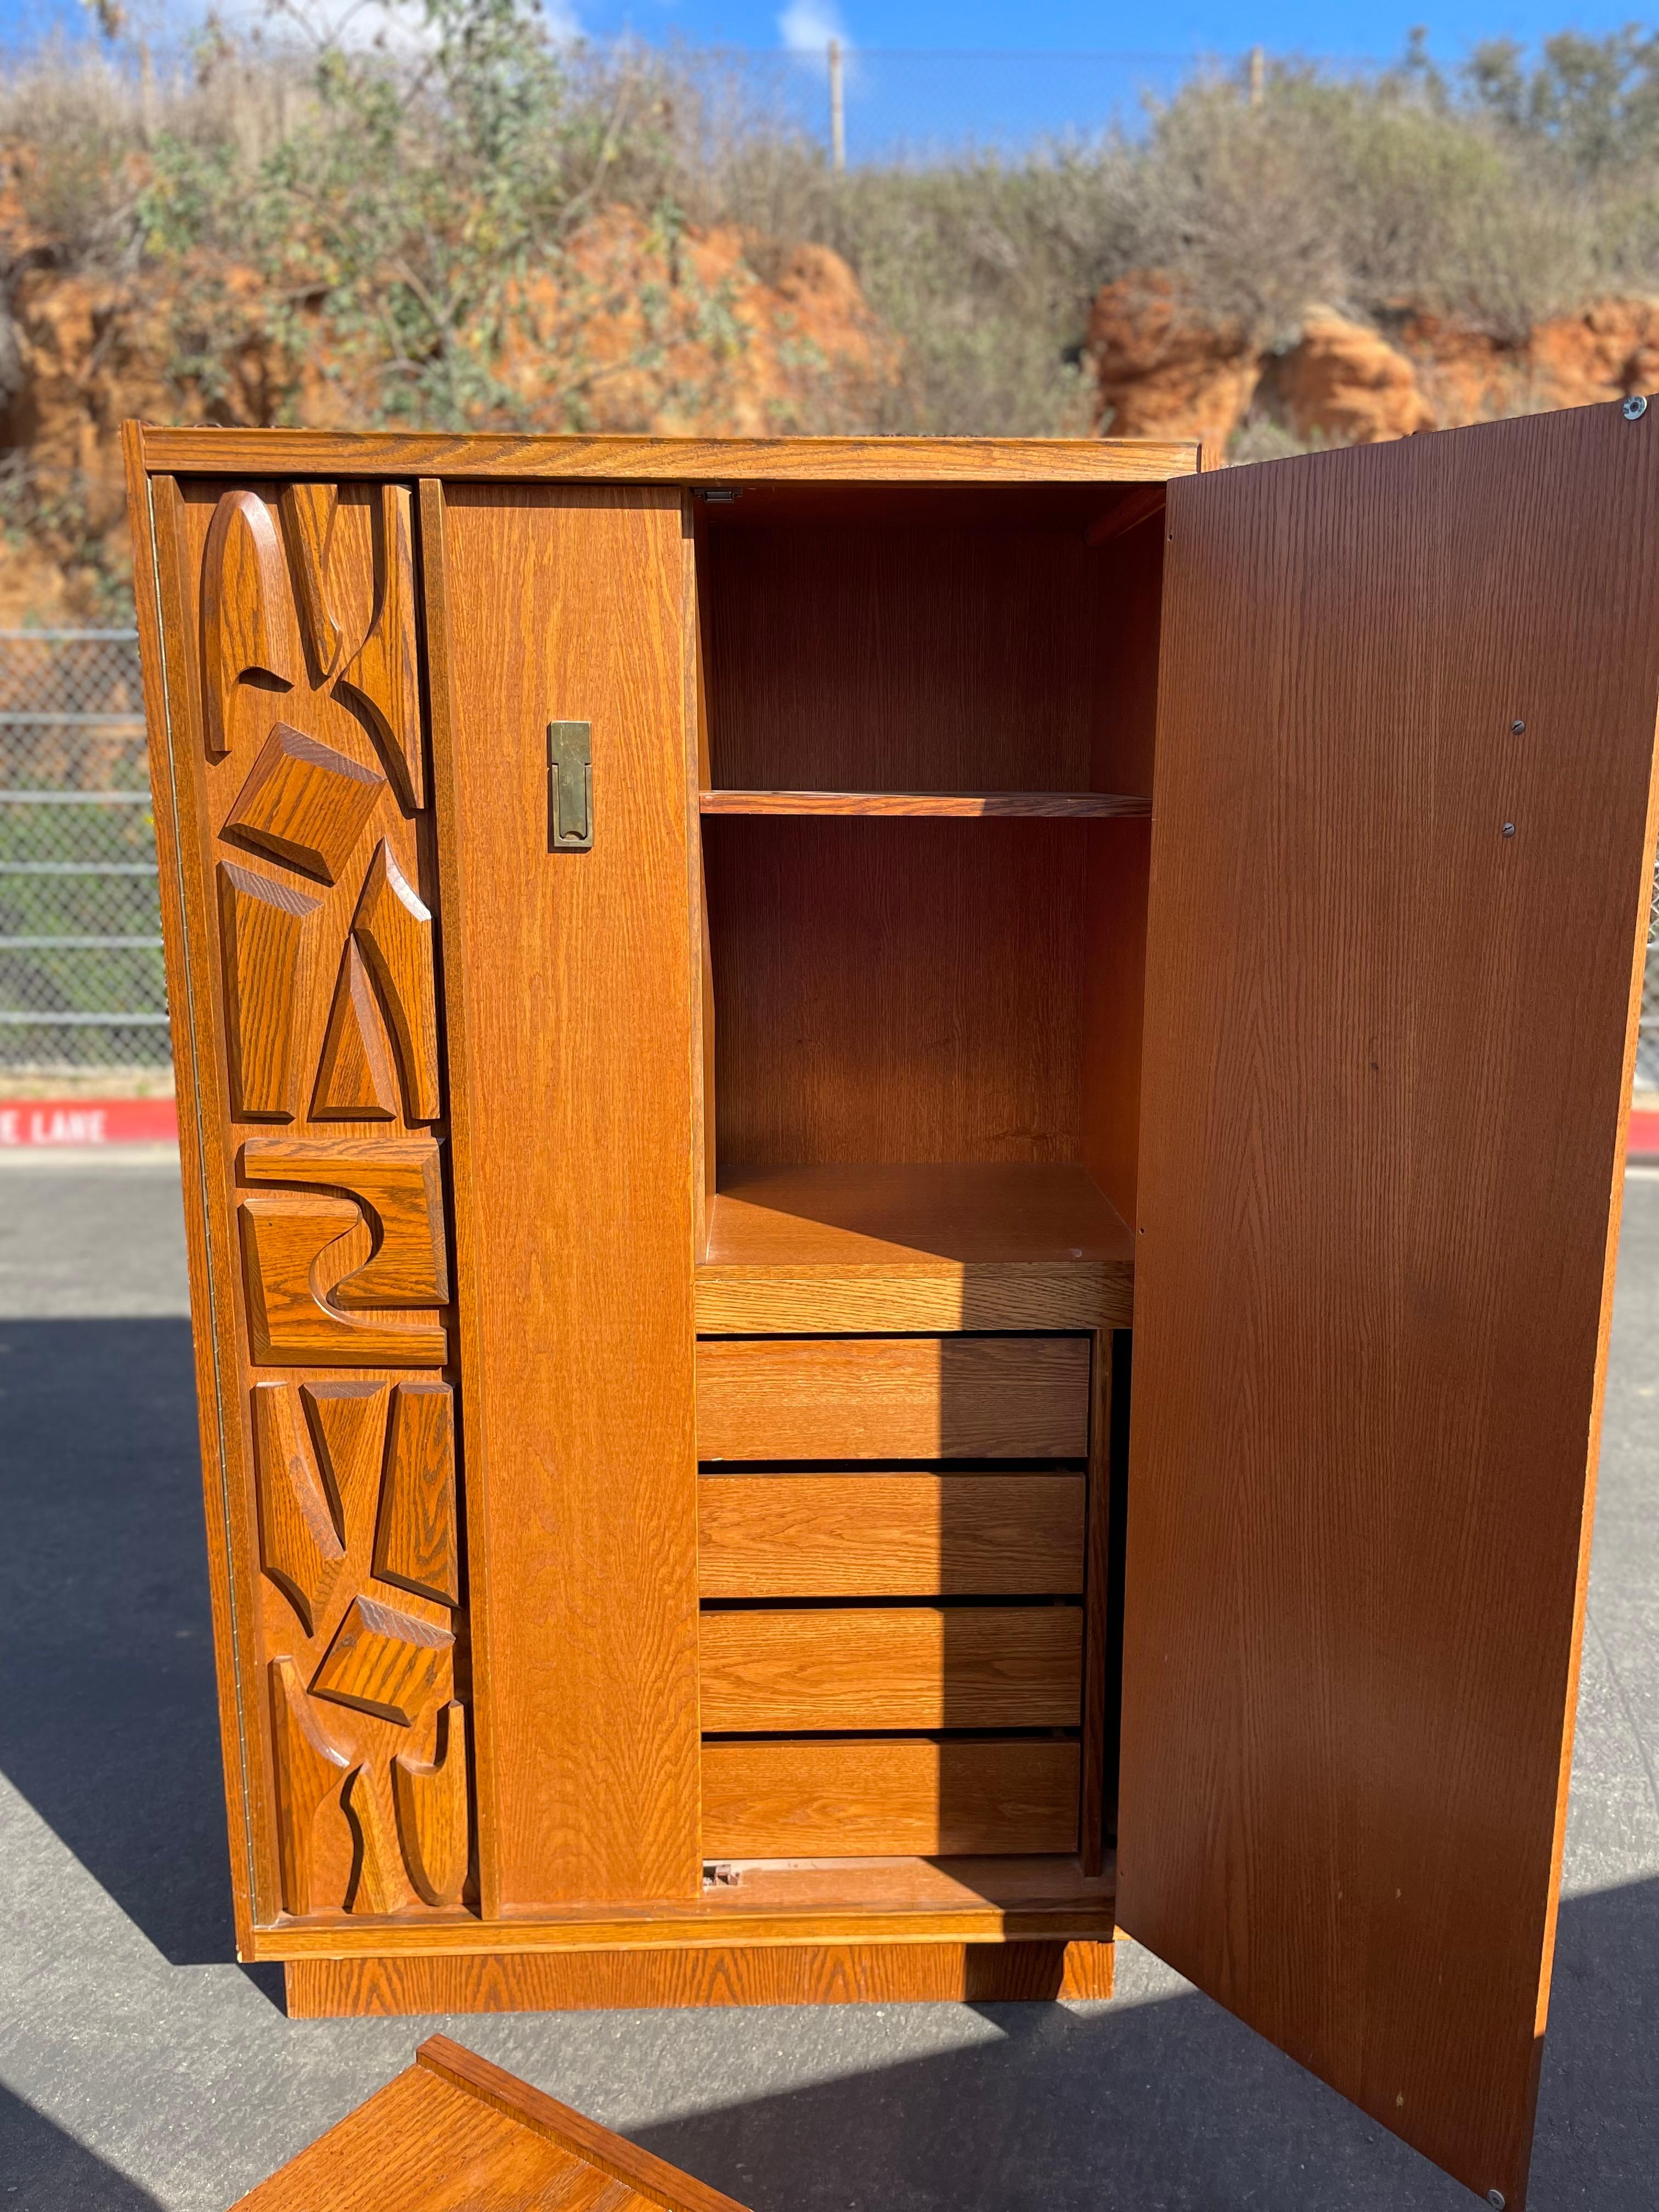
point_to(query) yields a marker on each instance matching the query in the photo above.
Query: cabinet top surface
(213, 451)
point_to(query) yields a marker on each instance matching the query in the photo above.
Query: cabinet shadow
(1174, 2106)
(110, 1724)
(43, 2165)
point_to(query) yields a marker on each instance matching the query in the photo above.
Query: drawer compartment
(865, 1797)
(890, 1535)
(911, 1666)
(893, 1397)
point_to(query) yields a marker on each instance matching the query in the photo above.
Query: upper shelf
(1074, 804)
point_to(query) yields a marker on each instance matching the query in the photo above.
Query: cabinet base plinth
(590, 1981)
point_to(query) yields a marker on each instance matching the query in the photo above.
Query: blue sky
(1002, 70)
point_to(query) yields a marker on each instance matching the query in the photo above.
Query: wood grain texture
(1373, 1272)
(393, 929)
(895, 1398)
(417, 1540)
(904, 1899)
(568, 1000)
(949, 1246)
(399, 1184)
(300, 1543)
(888, 992)
(308, 513)
(197, 789)
(654, 2180)
(379, 1883)
(431, 1802)
(285, 1236)
(356, 1080)
(268, 936)
(1099, 1627)
(310, 1768)
(244, 592)
(847, 1973)
(904, 1667)
(304, 803)
(969, 461)
(1066, 805)
(381, 682)
(871, 1796)
(383, 1661)
(889, 1535)
(912, 657)
(1127, 513)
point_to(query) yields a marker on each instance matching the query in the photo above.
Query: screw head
(1508, 828)
(1635, 408)
(1495, 2197)
(1517, 729)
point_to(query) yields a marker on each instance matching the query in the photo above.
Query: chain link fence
(81, 991)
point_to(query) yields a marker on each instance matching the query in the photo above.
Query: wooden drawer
(890, 1535)
(873, 1797)
(911, 1666)
(893, 1397)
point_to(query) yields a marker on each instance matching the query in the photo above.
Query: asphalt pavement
(141, 2068)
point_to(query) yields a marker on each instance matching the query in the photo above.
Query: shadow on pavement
(44, 2168)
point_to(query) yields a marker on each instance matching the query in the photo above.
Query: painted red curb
(1644, 1141)
(44, 1121)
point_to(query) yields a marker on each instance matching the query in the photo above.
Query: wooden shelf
(912, 1247)
(1077, 805)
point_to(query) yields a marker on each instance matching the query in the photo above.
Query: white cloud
(806, 27)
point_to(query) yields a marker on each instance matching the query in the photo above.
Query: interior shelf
(913, 1246)
(1083, 806)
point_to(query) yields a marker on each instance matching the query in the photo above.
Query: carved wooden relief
(431, 1802)
(414, 1541)
(320, 859)
(355, 1081)
(268, 931)
(308, 512)
(304, 803)
(243, 634)
(382, 680)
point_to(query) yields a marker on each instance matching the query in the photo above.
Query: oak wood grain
(1067, 806)
(903, 1666)
(267, 933)
(417, 1538)
(795, 1974)
(474, 457)
(770, 1298)
(305, 803)
(431, 1802)
(891, 991)
(1374, 1264)
(967, 1397)
(309, 514)
(887, 1899)
(568, 992)
(453, 2132)
(889, 1535)
(817, 1796)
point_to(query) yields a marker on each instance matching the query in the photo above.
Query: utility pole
(838, 110)
(1258, 76)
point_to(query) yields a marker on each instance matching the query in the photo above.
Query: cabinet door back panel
(1401, 863)
(569, 991)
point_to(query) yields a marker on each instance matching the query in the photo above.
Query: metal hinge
(570, 787)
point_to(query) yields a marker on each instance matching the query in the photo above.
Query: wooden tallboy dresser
(713, 983)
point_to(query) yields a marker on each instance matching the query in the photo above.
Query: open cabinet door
(1402, 846)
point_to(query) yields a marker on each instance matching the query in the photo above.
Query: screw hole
(1635, 408)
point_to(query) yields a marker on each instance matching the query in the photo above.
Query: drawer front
(890, 1536)
(906, 1397)
(912, 1666)
(892, 1797)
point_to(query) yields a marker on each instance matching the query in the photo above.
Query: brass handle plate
(570, 787)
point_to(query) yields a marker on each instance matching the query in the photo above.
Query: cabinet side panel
(569, 984)
(1402, 853)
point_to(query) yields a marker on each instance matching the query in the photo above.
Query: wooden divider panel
(569, 997)
(1401, 866)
